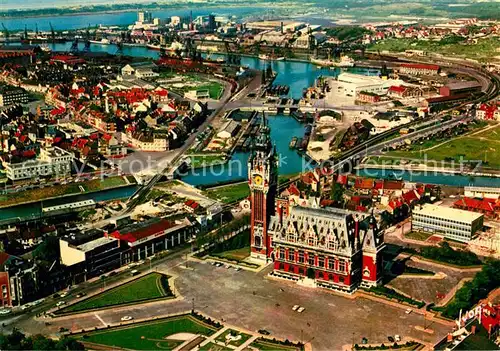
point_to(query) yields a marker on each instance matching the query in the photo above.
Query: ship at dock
(271, 57)
(344, 62)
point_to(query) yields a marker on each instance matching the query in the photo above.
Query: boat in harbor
(293, 143)
(271, 57)
(174, 47)
(345, 62)
(103, 41)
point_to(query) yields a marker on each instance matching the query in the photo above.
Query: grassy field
(230, 193)
(241, 341)
(484, 49)
(60, 190)
(151, 335)
(237, 255)
(482, 146)
(215, 89)
(418, 236)
(151, 286)
(269, 346)
(214, 347)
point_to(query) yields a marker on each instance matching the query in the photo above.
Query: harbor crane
(86, 48)
(233, 58)
(74, 46)
(52, 33)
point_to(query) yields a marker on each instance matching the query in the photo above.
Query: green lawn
(418, 236)
(214, 347)
(236, 255)
(151, 286)
(230, 193)
(214, 88)
(482, 146)
(270, 346)
(150, 335)
(482, 50)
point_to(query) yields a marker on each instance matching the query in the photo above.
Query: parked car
(264, 332)
(295, 307)
(408, 311)
(301, 309)
(397, 337)
(390, 338)
(127, 318)
(4, 311)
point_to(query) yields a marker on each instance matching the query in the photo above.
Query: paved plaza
(252, 301)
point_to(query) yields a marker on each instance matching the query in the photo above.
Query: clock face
(257, 179)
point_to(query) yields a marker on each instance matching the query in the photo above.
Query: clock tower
(263, 183)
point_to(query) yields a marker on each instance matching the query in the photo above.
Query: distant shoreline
(86, 11)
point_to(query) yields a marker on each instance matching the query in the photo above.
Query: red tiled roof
(393, 184)
(364, 183)
(476, 204)
(420, 66)
(397, 89)
(142, 233)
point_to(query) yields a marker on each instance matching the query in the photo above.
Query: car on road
(60, 303)
(63, 294)
(295, 307)
(390, 338)
(126, 318)
(4, 311)
(134, 272)
(82, 294)
(264, 332)
(397, 337)
(408, 311)
(301, 309)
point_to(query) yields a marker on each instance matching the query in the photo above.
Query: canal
(34, 210)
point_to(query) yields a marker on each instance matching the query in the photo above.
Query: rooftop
(91, 245)
(447, 213)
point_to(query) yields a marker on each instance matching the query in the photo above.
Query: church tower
(263, 183)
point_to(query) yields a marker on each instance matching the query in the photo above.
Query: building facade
(334, 248)
(452, 223)
(52, 161)
(11, 95)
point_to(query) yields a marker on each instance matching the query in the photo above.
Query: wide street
(251, 300)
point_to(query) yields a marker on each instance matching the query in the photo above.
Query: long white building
(356, 83)
(482, 192)
(452, 223)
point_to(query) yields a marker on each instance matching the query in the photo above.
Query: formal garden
(152, 286)
(164, 334)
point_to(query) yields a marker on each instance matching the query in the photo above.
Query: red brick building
(327, 248)
(365, 96)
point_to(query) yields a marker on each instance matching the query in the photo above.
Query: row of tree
(19, 341)
(475, 290)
